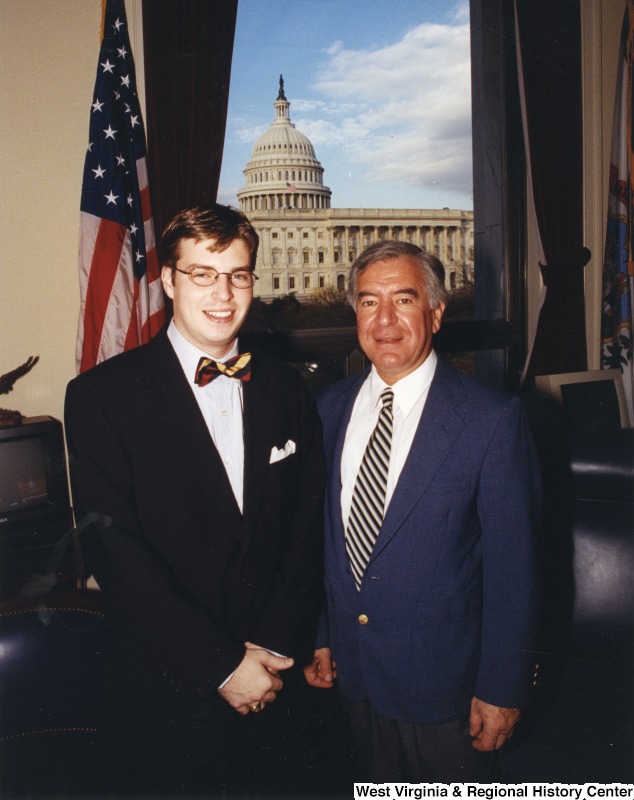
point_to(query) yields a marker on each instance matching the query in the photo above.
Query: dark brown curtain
(188, 47)
(550, 52)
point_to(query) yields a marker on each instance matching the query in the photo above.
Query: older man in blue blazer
(432, 507)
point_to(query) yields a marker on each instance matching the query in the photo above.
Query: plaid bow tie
(237, 367)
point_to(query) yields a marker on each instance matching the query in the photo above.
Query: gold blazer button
(363, 619)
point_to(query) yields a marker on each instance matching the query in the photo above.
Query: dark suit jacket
(187, 578)
(449, 593)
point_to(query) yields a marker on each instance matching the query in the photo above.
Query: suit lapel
(438, 429)
(342, 412)
(257, 446)
(187, 438)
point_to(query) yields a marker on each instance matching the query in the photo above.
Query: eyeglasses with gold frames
(239, 278)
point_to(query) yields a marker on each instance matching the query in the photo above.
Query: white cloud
(403, 112)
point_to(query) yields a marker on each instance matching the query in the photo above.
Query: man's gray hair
(431, 268)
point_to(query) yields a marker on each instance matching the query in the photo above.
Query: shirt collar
(189, 355)
(409, 389)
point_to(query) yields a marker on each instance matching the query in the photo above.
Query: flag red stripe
(146, 208)
(103, 269)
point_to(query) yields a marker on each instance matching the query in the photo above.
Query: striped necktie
(237, 367)
(368, 496)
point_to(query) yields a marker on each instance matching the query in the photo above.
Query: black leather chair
(50, 672)
(580, 727)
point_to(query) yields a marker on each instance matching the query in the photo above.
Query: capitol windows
(275, 256)
(291, 281)
(306, 257)
(336, 256)
(292, 257)
(305, 235)
(320, 256)
(322, 281)
(306, 281)
(276, 282)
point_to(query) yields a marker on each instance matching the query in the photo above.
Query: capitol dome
(283, 171)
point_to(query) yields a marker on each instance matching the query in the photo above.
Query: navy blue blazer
(449, 595)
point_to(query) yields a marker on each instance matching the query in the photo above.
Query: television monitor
(590, 400)
(35, 507)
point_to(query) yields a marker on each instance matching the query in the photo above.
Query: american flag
(290, 187)
(119, 275)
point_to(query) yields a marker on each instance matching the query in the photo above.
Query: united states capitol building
(305, 244)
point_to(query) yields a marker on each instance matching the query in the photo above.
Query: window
(290, 235)
(276, 282)
(498, 192)
(274, 235)
(306, 281)
(322, 281)
(291, 281)
(321, 256)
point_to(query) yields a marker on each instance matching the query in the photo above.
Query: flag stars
(139, 256)
(125, 81)
(133, 229)
(97, 105)
(109, 132)
(122, 52)
(117, 24)
(111, 198)
(108, 67)
(121, 161)
(134, 120)
(99, 172)
(129, 200)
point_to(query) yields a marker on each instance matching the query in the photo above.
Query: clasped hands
(256, 680)
(489, 726)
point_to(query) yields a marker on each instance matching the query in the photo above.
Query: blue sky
(381, 89)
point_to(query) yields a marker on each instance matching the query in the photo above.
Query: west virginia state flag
(618, 266)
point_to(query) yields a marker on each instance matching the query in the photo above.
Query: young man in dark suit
(206, 468)
(432, 506)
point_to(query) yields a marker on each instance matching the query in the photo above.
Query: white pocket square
(277, 454)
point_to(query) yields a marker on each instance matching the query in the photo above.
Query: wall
(48, 61)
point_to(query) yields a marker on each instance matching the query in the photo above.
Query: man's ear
(167, 277)
(437, 316)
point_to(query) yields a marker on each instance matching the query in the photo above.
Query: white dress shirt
(221, 404)
(410, 395)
